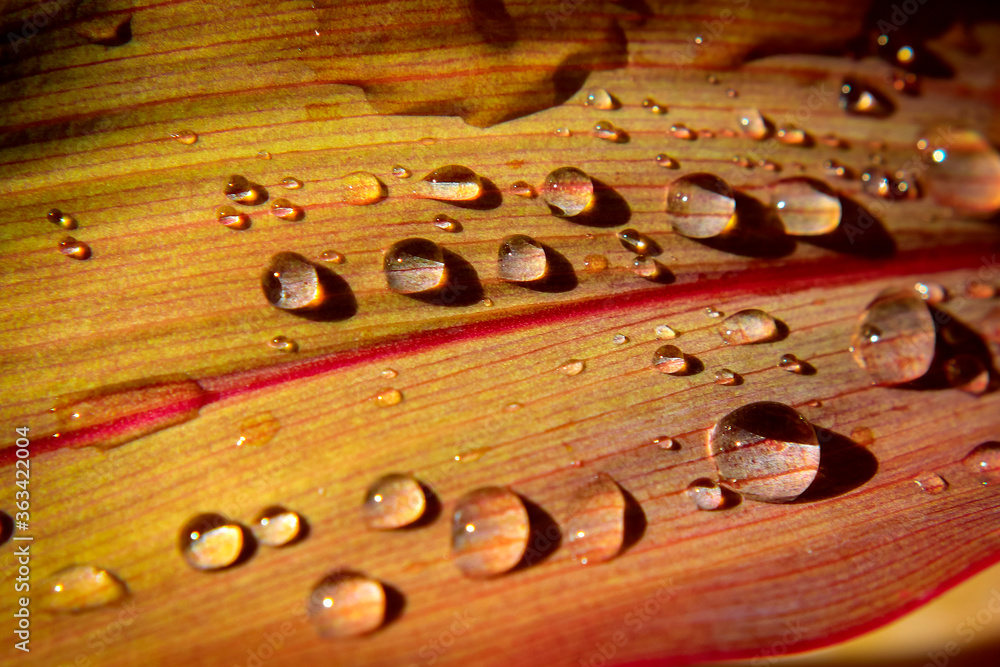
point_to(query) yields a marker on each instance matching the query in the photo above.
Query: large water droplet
(347, 604)
(806, 207)
(598, 98)
(706, 494)
(568, 191)
(521, 259)
(753, 124)
(766, 451)
(276, 526)
(79, 588)
(894, 338)
(489, 531)
(596, 526)
(984, 462)
(670, 360)
(360, 188)
(963, 170)
(74, 249)
(414, 265)
(748, 326)
(393, 501)
(211, 542)
(700, 206)
(452, 182)
(291, 282)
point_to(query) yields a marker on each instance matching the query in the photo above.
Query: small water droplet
(512, 407)
(711, 78)
(963, 171)
(489, 531)
(766, 451)
(563, 132)
(877, 183)
(59, 218)
(290, 282)
(932, 293)
(790, 363)
(276, 526)
(650, 104)
(595, 263)
(387, 397)
(452, 182)
(894, 339)
(665, 332)
(283, 344)
(836, 169)
(635, 241)
(856, 99)
(681, 131)
(347, 604)
(748, 326)
(752, 124)
(713, 312)
(670, 360)
(332, 256)
(393, 501)
(80, 588)
(596, 525)
(521, 259)
(291, 183)
(806, 207)
(241, 191)
(487, 302)
(700, 206)
(74, 249)
(598, 98)
(360, 188)
(264, 155)
(666, 443)
(230, 217)
(447, 224)
(832, 140)
(968, 373)
(726, 377)
(568, 191)
(522, 189)
(863, 436)
(931, 482)
(792, 136)
(619, 339)
(814, 403)
(286, 210)
(984, 462)
(646, 267)
(706, 494)
(414, 265)
(667, 162)
(258, 430)
(742, 161)
(186, 137)
(732, 93)
(399, 171)
(211, 542)
(572, 367)
(768, 165)
(605, 130)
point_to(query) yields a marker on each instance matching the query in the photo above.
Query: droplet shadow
(758, 232)
(338, 301)
(6, 527)
(952, 338)
(609, 208)
(489, 199)
(844, 465)
(461, 287)
(395, 604)
(560, 276)
(544, 536)
(635, 521)
(860, 234)
(432, 509)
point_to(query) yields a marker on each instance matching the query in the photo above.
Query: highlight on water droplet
(452, 182)
(568, 191)
(727, 378)
(393, 501)
(635, 241)
(650, 104)
(347, 604)
(790, 363)
(447, 224)
(667, 162)
(241, 191)
(599, 98)
(968, 373)
(706, 494)
(963, 170)
(665, 332)
(230, 217)
(646, 267)
(399, 171)
(595, 263)
(332, 256)
(619, 339)
(608, 132)
(858, 99)
(522, 189)
(291, 282)
(283, 344)
(700, 206)
(258, 430)
(572, 367)
(489, 531)
(682, 131)
(388, 373)
(666, 443)
(414, 266)
(57, 217)
(984, 462)
(276, 526)
(186, 137)
(80, 588)
(291, 183)
(932, 293)
(286, 210)
(752, 124)
(931, 482)
(563, 132)
(74, 249)
(894, 340)
(387, 397)
(596, 525)
(748, 326)
(876, 182)
(211, 542)
(670, 360)
(711, 311)
(793, 136)
(264, 155)
(360, 188)
(765, 451)
(806, 207)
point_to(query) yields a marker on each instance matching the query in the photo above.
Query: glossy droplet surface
(258, 430)
(752, 124)
(489, 531)
(932, 293)
(595, 263)
(856, 99)
(332, 256)
(748, 326)
(563, 132)
(790, 363)
(792, 136)
(521, 259)
(399, 171)
(894, 339)
(619, 339)
(669, 359)
(713, 312)
(347, 604)
(290, 282)
(968, 373)
(186, 137)
(634, 241)
(596, 525)
(806, 207)
(360, 188)
(291, 183)
(415, 265)
(646, 267)
(766, 451)
(931, 482)
(276, 526)
(393, 501)
(522, 189)
(211, 542)
(726, 377)
(79, 588)
(568, 190)
(681, 131)
(447, 224)
(240, 190)
(963, 170)
(388, 397)
(667, 162)
(230, 217)
(286, 210)
(449, 183)
(665, 332)
(984, 462)
(283, 344)
(572, 367)
(705, 494)
(598, 98)
(605, 130)
(57, 217)
(74, 249)
(700, 206)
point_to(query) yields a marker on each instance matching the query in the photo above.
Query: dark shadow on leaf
(544, 536)
(844, 465)
(860, 233)
(608, 210)
(432, 509)
(461, 287)
(560, 276)
(6, 527)
(758, 233)
(635, 521)
(338, 299)
(954, 338)
(489, 199)
(395, 603)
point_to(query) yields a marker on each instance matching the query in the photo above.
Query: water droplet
(877, 183)
(712, 312)
(931, 482)
(568, 191)
(700, 206)
(286, 210)
(283, 344)
(598, 98)
(681, 131)
(512, 407)
(650, 104)
(895, 337)
(276, 526)
(732, 93)
(984, 461)
(665, 332)
(393, 501)
(347, 604)
(753, 124)
(487, 302)
(595, 263)
(258, 430)
(646, 267)
(387, 397)
(706, 494)
(932, 293)
(522, 189)
(768, 165)
(742, 161)
(711, 78)
(863, 436)
(832, 140)
(452, 182)
(976, 289)
(667, 162)
(263, 155)
(606, 131)
(230, 217)
(766, 451)
(968, 373)
(399, 171)
(563, 132)
(389, 373)
(634, 241)
(572, 367)
(726, 377)
(290, 282)
(670, 360)
(489, 531)
(806, 207)
(58, 217)
(748, 326)
(619, 339)
(186, 137)
(596, 525)
(414, 265)
(80, 588)
(790, 363)
(360, 188)
(211, 542)
(332, 256)
(792, 136)
(666, 443)
(290, 183)
(241, 191)
(836, 169)
(447, 224)
(74, 249)
(857, 99)
(963, 171)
